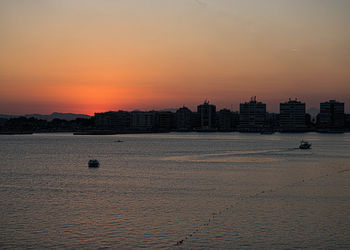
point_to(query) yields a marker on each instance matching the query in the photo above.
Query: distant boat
(94, 164)
(305, 145)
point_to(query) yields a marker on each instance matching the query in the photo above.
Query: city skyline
(313, 110)
(252, 117)
(94, 56)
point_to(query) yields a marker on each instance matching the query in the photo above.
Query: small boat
(305, 145)
(94, 164)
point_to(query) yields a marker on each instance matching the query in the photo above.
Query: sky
(86, 56)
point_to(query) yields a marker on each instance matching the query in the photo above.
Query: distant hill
(313, 112)
(169, 109)
(7, 116)
(55, 115)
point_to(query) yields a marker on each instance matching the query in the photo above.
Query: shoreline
(158, 132)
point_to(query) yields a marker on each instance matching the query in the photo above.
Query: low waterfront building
(272, 123)
(227, 120)
(143, 121)
(165, 120)
(347, 122)
(113, 120)
(196, 121)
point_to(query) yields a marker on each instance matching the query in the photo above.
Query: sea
(175, 190)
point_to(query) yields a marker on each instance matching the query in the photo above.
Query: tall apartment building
(252, 116)
(331, 115)
(184, 119)
(207, 114)
(292, 116)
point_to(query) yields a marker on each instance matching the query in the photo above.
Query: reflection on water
(238, 156)
(222, 190)
(224, 157)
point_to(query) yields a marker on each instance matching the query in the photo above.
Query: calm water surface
(210, 190)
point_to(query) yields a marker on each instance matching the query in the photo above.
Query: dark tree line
(23, 124)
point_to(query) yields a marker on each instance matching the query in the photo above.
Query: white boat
(94, 164)
(305, 145)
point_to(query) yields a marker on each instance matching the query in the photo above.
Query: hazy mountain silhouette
(55, 115)
(169, 110)
(313, 112)
(8, 116)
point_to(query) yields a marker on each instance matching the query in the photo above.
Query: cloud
(201, 2)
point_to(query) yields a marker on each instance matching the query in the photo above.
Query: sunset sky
(86, 56)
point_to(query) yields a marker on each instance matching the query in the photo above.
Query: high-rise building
(184, 119)
(292, 116)
(207, 114)
(252, 116)
(331, 115)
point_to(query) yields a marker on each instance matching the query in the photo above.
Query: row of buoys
(254, 196)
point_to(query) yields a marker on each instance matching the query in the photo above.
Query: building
(165, 120)
(252, 116)
(292, 116)
(184, 119)
(196, 121)
(207, 114)
(3, 122)
(143, 121)
(347, 122)
(331, 116)
(272, 123)
(112, 120)
(227, 120)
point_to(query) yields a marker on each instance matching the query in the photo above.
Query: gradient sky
(87, 56)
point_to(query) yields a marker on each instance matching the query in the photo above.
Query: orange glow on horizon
(113, 55)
